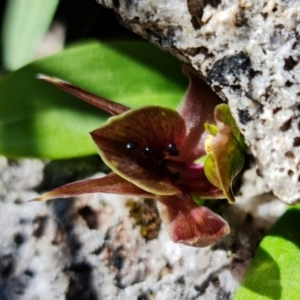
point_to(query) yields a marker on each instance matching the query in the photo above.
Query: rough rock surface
(92, 247)
(248, 51)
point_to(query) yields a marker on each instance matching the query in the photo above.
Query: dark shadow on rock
(238, 180)
(13, 284)
(89, 19)
(242, 224)
(59, 172)
(78, 269)
(212, 278)
(80, 284)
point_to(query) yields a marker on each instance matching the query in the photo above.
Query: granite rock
(111, 247)
(248, 52)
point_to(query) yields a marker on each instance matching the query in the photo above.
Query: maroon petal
(196, 108)
(190, 224)
(134, 146)
(109, 106)
(111, 184)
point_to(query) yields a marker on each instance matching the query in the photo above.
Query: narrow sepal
(110, 184)
(109, 106)
(196, 108)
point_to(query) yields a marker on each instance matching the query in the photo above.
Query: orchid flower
(153, 152)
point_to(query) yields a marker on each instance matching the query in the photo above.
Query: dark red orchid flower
(153, 152)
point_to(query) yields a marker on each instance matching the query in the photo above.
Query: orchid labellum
(153, 152)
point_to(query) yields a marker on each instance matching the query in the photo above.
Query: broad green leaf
(25, 24)
(39, 120)
(274, 272)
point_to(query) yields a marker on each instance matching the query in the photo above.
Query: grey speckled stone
(89, 247)
(248, 51)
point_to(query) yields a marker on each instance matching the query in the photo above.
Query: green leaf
(39, 120)
(274, 272)
(25, 24)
